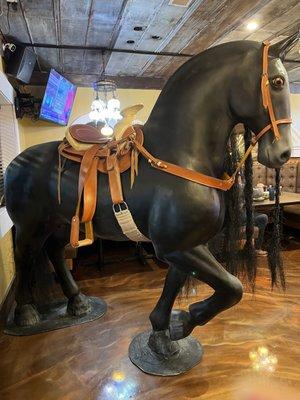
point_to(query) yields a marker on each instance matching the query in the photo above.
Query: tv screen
(58, 99)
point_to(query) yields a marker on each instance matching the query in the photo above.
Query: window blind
(9, 145)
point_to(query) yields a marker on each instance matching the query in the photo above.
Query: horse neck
(192, 131)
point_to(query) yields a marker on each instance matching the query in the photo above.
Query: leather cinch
(116, 156)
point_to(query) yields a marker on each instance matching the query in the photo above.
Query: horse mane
(195, 69)
(243, 262)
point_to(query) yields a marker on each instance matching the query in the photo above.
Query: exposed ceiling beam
(87, 80)
(101, 49)
(106, 49)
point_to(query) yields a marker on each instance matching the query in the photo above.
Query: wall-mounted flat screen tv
(58, 99)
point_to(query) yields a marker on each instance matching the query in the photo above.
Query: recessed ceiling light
(251, 26)
(179, 3)
(156, 37)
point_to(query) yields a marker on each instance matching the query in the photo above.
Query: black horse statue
(190, 126)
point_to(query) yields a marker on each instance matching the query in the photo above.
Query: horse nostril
(285, 155)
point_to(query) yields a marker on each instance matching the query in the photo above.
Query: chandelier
(105, 107)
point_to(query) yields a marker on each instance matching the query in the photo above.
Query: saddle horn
(280, 49)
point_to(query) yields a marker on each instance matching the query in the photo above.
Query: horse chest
(186, 213)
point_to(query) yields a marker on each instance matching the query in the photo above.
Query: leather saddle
(84, 144)
(82, 137)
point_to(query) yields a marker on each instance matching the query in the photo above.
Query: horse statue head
(267, 113)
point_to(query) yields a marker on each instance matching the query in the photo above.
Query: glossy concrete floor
(91, 362)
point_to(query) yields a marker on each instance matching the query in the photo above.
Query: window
(9, 143)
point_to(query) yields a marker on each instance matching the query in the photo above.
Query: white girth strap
(127, 224)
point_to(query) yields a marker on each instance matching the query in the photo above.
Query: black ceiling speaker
(20, 63)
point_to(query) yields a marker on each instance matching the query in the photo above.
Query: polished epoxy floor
(91, 362)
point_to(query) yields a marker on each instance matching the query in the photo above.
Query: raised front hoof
(79, 305)
(155, 354)
(161, 344)
(181, 324)
(26, 315)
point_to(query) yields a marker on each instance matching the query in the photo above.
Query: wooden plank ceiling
(151, 25)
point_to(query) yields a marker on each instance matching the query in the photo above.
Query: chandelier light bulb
(107, 130)
(117, 116)
(113, 104)
(97, 104)
(94, 115)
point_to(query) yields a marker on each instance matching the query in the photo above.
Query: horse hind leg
(78, 303)
(28, 256)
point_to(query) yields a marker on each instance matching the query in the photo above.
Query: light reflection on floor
(261, 384)
(118, 387)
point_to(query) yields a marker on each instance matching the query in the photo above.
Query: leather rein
(227, 182)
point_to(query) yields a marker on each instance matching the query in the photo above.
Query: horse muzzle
(274, 153)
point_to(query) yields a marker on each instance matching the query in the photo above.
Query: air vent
(180, 3)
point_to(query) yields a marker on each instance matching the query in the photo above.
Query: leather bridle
(267, 100)
(227, 182)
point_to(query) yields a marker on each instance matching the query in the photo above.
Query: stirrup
(88, 230)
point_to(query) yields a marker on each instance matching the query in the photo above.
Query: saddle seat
(82, 137)
(87, 134)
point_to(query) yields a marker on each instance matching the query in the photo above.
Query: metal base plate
(144, 358)
(54, 316)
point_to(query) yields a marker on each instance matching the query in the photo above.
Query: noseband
(227, 182)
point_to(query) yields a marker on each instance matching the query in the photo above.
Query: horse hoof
(79, 305)
(26, 315)
(181, 325)
(161, 344)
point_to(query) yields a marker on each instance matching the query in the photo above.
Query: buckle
(157, 164)
(119, 207)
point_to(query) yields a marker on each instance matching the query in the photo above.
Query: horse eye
(278, 81)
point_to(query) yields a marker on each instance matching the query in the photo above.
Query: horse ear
(280, 49)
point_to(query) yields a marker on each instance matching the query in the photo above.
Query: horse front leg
(203, 265)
